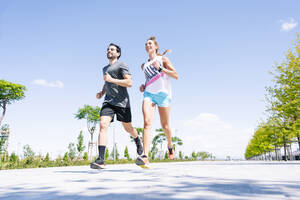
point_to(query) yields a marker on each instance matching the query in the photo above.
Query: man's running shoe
(98, 164)
(171, 153)
(143, 162)
(139, 147)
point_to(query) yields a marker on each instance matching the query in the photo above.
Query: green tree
(126, 153)
(115, 154)
(284, 96)
(176, 141)
(85, 156)
(13, 158)
(66, 158)
(72, 151)
(80, 146)
(9, 93)
(166, 155)
(160, 138)
(296, 128)
(180, 155)
(259, 144)
(203, 155)
(139, 131)
(106, 156)
(47, 158)
(91, 115)
(28, 152)
(266, 138)
(28, 155)
(194, 155)
(153, 152)
(157, 140)
(283, 106)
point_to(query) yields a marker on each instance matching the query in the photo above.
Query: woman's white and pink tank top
(156, 82)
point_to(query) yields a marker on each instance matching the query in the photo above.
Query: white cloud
(207, 132)
(43, 82)
(287, 25)
(208, 123)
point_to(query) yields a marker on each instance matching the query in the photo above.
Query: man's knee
(128, 128)
(104, 124)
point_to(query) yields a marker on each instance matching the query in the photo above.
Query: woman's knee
(166, 127)
(147, 124)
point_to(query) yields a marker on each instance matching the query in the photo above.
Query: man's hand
(142, 88)
(99, 95)
(108, 78)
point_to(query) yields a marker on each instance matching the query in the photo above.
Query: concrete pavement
(176, 180)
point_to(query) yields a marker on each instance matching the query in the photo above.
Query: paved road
(182, 180)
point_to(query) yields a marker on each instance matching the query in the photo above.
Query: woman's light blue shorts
(161, 99)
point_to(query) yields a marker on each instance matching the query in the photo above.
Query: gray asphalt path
(181, 180)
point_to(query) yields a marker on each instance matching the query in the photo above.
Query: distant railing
(276, 154)
(4, 135)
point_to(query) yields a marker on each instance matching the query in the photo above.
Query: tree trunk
(276, 153)
(298, 137)
(3, 112)
(284, 146)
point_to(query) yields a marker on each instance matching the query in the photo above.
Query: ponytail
(166, 51)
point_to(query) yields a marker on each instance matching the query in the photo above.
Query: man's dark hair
(117, 47)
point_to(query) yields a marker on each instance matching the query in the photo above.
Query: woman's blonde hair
(155, 42)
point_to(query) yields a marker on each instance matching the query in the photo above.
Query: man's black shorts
(123, 114)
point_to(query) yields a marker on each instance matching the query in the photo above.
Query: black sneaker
(98, 164)
(139, 147)
(171, 153)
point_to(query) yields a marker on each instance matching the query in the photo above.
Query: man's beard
(110, 57)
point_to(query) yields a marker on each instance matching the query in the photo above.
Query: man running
(117, 78)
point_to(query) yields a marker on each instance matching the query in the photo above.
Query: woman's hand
(142, 88)
(156, 64)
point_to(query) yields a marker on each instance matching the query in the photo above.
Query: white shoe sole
(97, 166)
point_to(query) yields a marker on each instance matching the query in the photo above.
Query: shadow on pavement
(97, 171)
(249, 163)
(35, 195)
(217, 188)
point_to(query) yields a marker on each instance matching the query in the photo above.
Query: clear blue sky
(222, 51)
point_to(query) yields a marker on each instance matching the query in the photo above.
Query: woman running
(157, 92)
